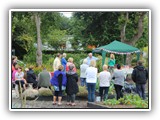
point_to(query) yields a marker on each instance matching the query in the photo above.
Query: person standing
(44, 79)
(91, 79)
(140, 76)
(57, 62)
(104, 79)
(90, 57)
(72, 86)
(14, 62)
(111, 63)
(58, 81)
(64, 61)
(83, 69)
(70, 62)
(119, 77)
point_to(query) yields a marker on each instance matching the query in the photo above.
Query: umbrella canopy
(116, 47)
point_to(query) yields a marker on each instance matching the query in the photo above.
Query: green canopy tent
(116, 47)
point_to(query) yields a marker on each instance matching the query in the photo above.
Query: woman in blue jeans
(91, 79)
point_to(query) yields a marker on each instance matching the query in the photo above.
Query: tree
(131, 26)
(29, 27)
(39, 42)
(56, 38)
(100, 27)
(22, 33)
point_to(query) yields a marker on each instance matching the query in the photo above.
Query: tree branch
(139, 29)
(123, 35)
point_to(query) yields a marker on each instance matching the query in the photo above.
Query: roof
(117, 47)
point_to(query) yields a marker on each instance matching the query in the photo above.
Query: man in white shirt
(90, 57)
(57, 62)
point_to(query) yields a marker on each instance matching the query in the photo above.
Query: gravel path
(46, 102)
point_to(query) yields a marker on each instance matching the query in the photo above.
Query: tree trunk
(135, 37)
(123, 29)
(39, 42)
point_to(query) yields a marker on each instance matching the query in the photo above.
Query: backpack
(141, 75)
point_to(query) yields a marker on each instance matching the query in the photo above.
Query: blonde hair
(92, 63)
(105, 67)
(60, 67)
(70, 59)
(112, 56)
(64, 55)
(85, 61)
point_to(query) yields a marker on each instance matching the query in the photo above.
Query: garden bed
(128, 101)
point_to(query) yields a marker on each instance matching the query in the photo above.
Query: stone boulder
(30, 93)
(45, 92)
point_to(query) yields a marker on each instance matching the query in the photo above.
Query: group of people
(65, 78)
(23, 79)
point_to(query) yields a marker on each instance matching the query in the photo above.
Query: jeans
(111, 69)
(83, 81)
(103, 92)
(141, 90)
(71, 98)
(118, 89)
(91, 91)
(20, 82)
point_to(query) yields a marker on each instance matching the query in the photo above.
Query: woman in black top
(72, 86)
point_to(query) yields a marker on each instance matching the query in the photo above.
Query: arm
(64, 80)
(65, 61)
(52, 81)
(134, 75)
(76, 76)
(16, 76)
(113, 76)
(33, 76)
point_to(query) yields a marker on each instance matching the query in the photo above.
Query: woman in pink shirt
(13, 74)
(70, 62)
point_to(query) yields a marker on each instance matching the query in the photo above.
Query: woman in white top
(104, 79)
(91, 79)
(83, 69)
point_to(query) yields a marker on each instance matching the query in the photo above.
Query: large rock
(45, 92)
(30, 93)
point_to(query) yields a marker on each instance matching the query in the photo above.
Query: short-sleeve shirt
(19, 76)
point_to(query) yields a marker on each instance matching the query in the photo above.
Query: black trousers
(118, 89)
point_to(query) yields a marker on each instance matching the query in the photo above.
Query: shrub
(111, 102)
(128, 99)
(37, 70)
